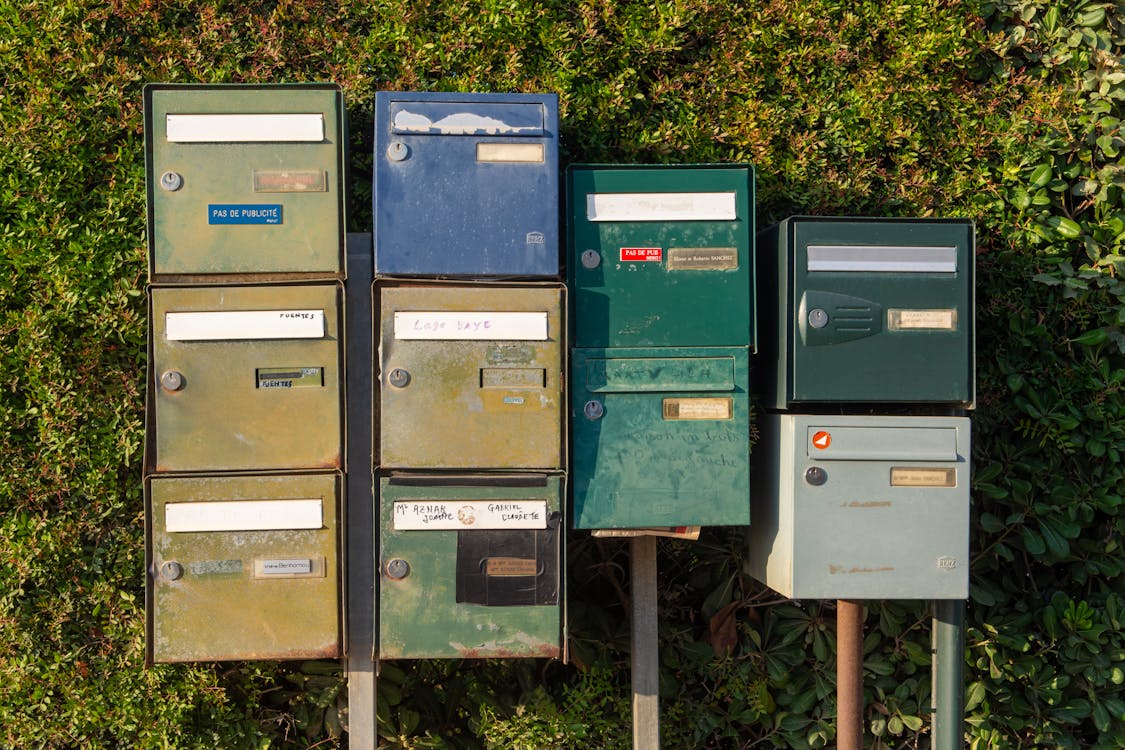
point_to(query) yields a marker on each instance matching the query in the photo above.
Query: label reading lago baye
(698, 408)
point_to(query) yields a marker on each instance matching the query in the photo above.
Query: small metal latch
(172, 571)
(397, 569)
(398, 377)
(398, 151)
(171, 181)
(816, 476)
(172, 380)
(818, 318)
(593, 410)
(591, 259)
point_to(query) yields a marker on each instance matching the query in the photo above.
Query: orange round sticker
(822, 439)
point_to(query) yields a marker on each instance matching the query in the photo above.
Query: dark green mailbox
(867, 311)
(661, 437)
(662, 256)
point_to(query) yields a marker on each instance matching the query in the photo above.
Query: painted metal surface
(466, 184)
(245, 179)
(868, 311)
(832, 523)
(243, 594)
(470, 593)
(266, 397)
(661, 437)
(662, 256)
(463, 387)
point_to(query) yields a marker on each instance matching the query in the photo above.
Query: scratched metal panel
(661, 437)
(466, 184)
(243, 594)
(426, 614)
(662, 256)
(836, 524)
(467, 403)
(245, 403)
(244, 196)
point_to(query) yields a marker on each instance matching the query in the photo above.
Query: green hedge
(1007, 112)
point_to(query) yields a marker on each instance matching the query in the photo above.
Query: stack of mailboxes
(861, 474)
(245, 389)
(470, 343)
(661, 265)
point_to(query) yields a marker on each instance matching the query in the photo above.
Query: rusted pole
(645, 647)
(849, 675)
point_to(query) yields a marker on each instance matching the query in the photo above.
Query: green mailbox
(867, 311)
(245, 179)
(861, 507)
(470, 566)
(662, 256)
(243, 567)
(661, 437)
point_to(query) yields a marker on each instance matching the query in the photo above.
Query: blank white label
(281, 128)
(882, 258)
(475, 326)
(244, 515)
(228, 325)
(922, 320)
(661, 207)
(524, 153)
(436, 515)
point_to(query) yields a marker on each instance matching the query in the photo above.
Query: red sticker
(821, 439)
(642, 254)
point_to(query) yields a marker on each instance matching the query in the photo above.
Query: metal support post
(949, 683)
(645, 648)
(849, 675)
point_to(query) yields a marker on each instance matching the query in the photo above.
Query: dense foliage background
(1007, 112)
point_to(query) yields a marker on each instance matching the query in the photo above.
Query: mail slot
(466, 184)
(662, 256)
(470, 566)
(245, 179)
(868, 311)
(243, 567)
(661, 437)
(861, 507)
(245, 377)
(471, 376)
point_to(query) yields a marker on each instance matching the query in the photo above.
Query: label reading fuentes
(237, 213)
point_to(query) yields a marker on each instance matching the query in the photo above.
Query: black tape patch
(501, 568)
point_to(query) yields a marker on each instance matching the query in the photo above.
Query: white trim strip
(471, 326)
(661, 206)
(882, 258)
(229, 325)
(280, 128)
(243, 515)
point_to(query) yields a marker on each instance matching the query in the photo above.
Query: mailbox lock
(818, 318)
(399, 378)
(173, 571)
(398, 569)
(591, 259)
(816, 476)
(593, 410)
(172, 380)
(171, 181)
(398, 151)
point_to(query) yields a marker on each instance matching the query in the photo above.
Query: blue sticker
(237, 213)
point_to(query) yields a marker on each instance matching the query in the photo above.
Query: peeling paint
(460, 123)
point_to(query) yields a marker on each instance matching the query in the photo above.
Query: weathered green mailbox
(243, 567)
(470, 566)
(662, 256)
(861, 507)
(661, 437)
(245, 179)
(867, 311)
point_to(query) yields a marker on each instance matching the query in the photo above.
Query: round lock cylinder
(816, 476)
(172, 571)
(397, 569)
(398, 151)
(171, 181)
(593, 410)
(818, 318)
(399, 378)
(591, 259)
(172, 380)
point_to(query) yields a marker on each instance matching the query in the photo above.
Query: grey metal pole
(948, 674)
(645, 647)
(360, 530)
(849, 675)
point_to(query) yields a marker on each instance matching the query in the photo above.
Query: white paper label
(525, 153)
(922, 320)
(244, 515)
(661, 207)
(434, 515)
(229, 325)
(280, 128)
(882, 259)
(476, 326)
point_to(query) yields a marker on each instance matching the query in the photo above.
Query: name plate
(436, 515)
(661, 207)
(473, 326)
(229, 325)
(243, 515)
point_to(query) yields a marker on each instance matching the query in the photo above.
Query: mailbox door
(466, 184)
(866, 508)
(243, 567)
(245, 179)
(470, 566)
(246, 378)
(662, 256)
(471, 377)
(661, 437)
(881, 311)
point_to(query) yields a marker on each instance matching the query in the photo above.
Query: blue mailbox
(466, 185)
